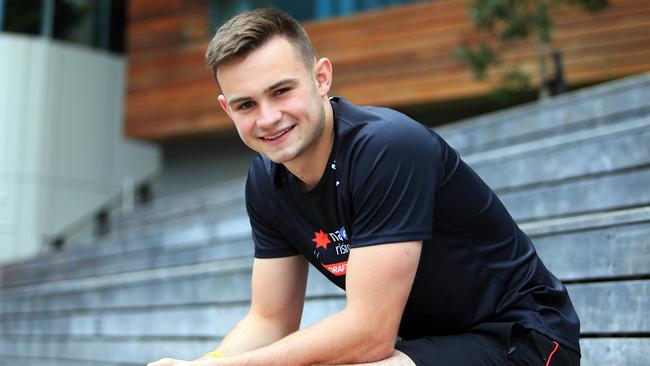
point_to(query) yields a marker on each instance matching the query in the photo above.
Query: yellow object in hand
(214, 355)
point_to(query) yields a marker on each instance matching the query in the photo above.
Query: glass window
(222, 10)
(94, 23)
(22, 16)
(75, 21)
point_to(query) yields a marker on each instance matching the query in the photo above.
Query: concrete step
(623, 146)
(221, 197)
(597, 246)
(604, 104)
(627, 226)
(193, 330)
(204, 300)
(591, 300)
(101, 351)
(215, 238)
(596, 304)
(160, 251)
(603, 241)
(585, 195)
(224, 281)
(45, 361)
(198, 320)
(595, 352)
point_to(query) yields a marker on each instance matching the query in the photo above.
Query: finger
(205, 362)
(164, 362)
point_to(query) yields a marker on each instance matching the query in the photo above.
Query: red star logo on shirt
(321, 240)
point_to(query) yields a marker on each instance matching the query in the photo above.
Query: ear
(323, 75)
(224, 105)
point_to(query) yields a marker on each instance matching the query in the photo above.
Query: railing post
(128, 189)
(58, 243)
(103, 24)
(560, 86)
(144, 194)
(47, 18)
(2, 12)
(102, 224)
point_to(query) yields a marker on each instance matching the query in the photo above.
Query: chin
(282, 157)
(279, 159)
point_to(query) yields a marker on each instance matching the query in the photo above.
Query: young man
(385, 209)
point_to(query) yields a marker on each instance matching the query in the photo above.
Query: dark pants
(490, 344)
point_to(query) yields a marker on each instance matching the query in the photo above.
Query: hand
(169, 362)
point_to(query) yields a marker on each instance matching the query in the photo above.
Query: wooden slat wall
(393, 57)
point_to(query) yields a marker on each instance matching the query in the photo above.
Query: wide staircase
(172, 279)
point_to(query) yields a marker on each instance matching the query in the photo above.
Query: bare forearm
(251, 333)
(341, 338)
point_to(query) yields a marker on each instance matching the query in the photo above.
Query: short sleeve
(395, 171)
(268, 240)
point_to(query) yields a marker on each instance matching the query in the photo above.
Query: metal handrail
(96, 224)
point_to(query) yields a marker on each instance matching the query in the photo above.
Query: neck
(311, 167)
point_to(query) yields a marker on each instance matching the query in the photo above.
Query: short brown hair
(250, 30)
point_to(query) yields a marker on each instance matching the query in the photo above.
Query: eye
(246, 105)
(282, 91)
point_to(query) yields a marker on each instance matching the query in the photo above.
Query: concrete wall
(205, 162)
(62, 154)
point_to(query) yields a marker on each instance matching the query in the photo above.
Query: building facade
(63, 156)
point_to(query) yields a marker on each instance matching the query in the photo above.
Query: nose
(268, 115)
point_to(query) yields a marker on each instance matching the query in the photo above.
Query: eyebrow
(275, 85)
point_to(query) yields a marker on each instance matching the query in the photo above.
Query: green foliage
(509, 21)
(515, 83)
(479, 60)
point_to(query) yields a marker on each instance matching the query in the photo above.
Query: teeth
(277, 135)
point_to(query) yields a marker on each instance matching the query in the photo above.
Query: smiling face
(276, 103)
